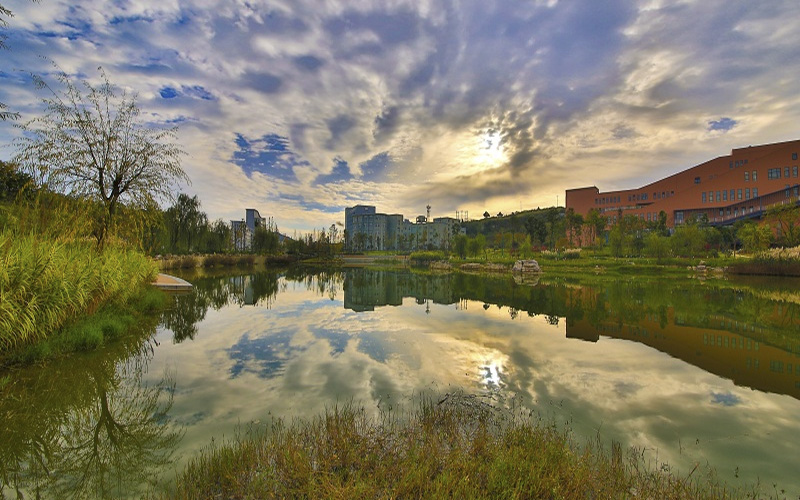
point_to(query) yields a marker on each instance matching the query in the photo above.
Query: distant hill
(513, 222)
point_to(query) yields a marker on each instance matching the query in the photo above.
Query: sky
(300, 108)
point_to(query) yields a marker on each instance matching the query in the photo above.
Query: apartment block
(366, 229)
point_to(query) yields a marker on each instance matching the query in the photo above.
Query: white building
(243, 230)
(365, 229)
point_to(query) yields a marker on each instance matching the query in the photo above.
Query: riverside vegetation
(58, 291)
(460, 446)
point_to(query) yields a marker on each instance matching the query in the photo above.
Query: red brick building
(726, 189)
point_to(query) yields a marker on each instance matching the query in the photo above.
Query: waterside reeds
(773, 262)
(458, 447)
(45, 284)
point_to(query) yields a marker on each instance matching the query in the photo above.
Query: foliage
(774, 262)
(656, 245)
(92, 143)
(47, 283)
(458, 447)
(185, 224)
(427, 256)
(787, 219)
(5, 13)
(754, 237)
(460, 245)
(266, 241)
(13, 183)
(688, 240)
(536, 229)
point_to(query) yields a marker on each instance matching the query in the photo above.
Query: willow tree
(91, 142)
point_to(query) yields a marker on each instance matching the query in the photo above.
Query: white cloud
(570, 87)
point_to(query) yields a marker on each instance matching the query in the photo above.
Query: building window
(755, 192)
(794, 156)
(747, 193)
(703, 196)
(697, 180)
(754, 176)
(774, 173)
(794, 171)
(738, 194)
(730, 165)
(724, 196)
(719, 197)
(746, 176)
(733, 197)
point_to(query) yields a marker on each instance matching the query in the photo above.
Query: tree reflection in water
(87, 427)
(257, 289)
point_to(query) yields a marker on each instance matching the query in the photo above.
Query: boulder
(526, 266)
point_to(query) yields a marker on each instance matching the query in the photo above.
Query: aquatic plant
(456, 446)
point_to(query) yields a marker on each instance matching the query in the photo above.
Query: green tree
(688, 240)
(186, 224)
(787, 219)
(536, 229)
(12, 182)
(553, 225)
(460, 245)
(656, 245)
(574, 223)
(597, 224)
(754, 237)
(219, 238)
(265, 242)
(91, 143)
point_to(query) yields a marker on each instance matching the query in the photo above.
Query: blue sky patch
(168, 93)
(269, 155)
(340, 172)
(374, 168)
(725, 399)
(723, 124)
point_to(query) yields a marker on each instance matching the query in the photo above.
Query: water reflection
(694, 372)
(87, 426)
(734, 332)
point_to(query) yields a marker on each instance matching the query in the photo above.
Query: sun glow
(491, 153)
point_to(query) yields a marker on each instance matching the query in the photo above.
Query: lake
(691, 372)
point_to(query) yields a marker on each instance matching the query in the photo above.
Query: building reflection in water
(750, 340)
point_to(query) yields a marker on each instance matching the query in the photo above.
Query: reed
(458, 447)
(47, 283)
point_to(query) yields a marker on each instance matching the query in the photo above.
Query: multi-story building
(723, 190)
(365, 229)
(243, 230)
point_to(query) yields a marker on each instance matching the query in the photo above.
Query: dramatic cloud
(299, 107)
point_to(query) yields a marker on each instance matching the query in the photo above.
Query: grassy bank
(47, 285)
(458, 447)
(221, 261)
(774, 262)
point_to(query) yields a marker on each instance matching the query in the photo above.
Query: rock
(526, 266)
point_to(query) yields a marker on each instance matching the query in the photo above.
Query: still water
(691, 372)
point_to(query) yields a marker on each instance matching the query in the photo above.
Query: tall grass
(46, 282)
(458, 447)
(773, 262)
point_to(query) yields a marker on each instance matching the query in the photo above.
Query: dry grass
(458, 447)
